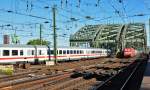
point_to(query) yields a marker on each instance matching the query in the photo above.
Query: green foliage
(7, 70)
(37, 42)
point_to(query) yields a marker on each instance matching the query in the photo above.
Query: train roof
(41, 46)
(20, 45)
(66, 47)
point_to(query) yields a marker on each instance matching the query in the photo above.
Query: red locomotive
(129, 52)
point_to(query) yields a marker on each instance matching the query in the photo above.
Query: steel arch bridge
(112, 36)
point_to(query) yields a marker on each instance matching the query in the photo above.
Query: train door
(42, 54)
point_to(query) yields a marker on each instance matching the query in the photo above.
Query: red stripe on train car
(32, 57)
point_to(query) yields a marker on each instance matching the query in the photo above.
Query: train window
(40, 52)
(5, 52)
(74, 51)
(52, 52)
(67, 51)
(64, 51)
(21, 52)
(92, 51)
(60, 51)
(71, 52)
(32, 52)
(78, 52)
(14, 52)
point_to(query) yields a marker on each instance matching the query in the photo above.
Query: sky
(23, 17)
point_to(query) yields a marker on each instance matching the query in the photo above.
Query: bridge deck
(146, 79)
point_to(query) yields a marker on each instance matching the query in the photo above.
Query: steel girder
(113, 36)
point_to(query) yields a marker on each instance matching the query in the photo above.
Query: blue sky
(102, 12)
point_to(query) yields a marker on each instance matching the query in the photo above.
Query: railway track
(128, 79)
(61, 78)
(81, 85)
(69, 84)
(75, 83)
(16, 76)
(33, 81)
(75, 64)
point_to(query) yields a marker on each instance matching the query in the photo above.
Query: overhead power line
(14, 12)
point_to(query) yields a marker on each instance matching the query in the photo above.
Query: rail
(122, 80)
(134, 70)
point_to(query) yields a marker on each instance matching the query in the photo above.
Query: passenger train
(28, 53)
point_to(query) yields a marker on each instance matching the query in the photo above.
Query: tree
(37, 42)
(15, 39)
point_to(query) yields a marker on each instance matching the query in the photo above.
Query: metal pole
(54, 29)
(40, 34)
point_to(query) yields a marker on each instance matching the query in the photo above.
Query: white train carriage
(16, 53)
(79, 53)
(30, 53)
(70, 53)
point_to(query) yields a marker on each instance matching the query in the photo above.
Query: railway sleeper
(115, 82)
